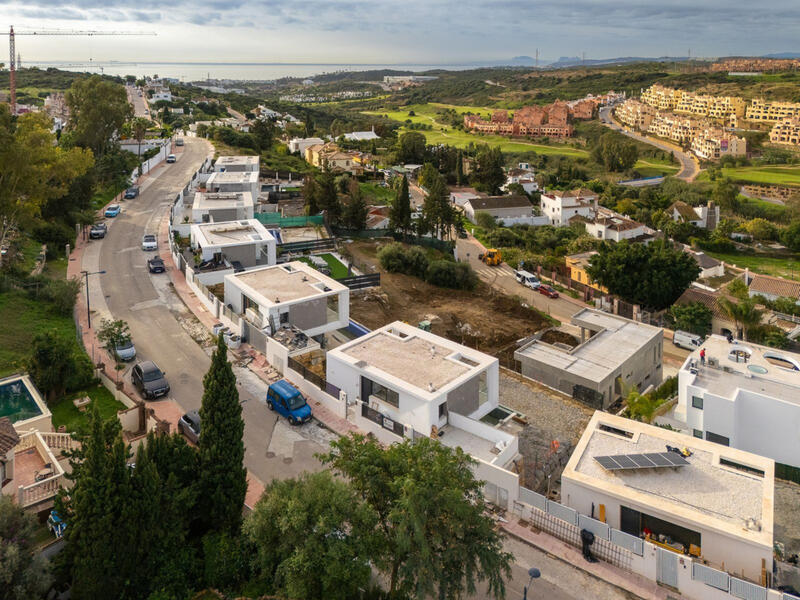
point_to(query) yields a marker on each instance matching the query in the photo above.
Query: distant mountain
(573, 61)
(526, 61)
(783, 55)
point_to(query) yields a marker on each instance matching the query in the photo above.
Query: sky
(401, 32)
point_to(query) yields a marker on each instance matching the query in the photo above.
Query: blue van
(283, 397)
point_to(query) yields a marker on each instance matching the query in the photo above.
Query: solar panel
(632, 462)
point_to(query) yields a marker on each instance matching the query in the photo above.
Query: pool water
(497, 415)
(16, 402)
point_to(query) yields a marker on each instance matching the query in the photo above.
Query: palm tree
(139, 131)
(744, 314)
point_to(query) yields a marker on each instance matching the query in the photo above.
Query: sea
(191, 71)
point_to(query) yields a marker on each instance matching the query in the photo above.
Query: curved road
(689, 167)
(152, 309)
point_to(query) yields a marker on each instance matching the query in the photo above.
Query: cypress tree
(460, 169)
(223, 478)
(400, 212)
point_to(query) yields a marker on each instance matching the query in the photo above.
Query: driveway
(139, 102)
(160, 324)
(689, 167)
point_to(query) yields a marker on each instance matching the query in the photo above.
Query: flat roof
(236, 160)
(768, 371)
(615, 341)
(417, 358)
(228, 233)
(286, 283)
(222, 200)
(704, 491)
(233, 177)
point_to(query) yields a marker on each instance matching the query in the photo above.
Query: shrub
(416, 261)
(81, 375)
(62, 293)
(485, 220)
(445, 273)
(393, 258)
(56, 236)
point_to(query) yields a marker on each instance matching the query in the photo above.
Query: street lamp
(535, 574)
(86, 276)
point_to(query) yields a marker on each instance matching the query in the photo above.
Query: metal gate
(667, 571)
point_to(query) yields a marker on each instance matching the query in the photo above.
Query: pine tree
(460, 169)
(437, 212)
(400, 213)
(328, 197)
(311, 195)
(223, 478)
(355, 212)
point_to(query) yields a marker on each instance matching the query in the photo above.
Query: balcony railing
(49, 445)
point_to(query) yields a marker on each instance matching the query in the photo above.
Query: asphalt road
(139, 103)
(128, 291)
(689, 168)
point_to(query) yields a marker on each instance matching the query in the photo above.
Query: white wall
(524, 220)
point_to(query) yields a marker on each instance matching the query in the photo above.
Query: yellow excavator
(491, 257)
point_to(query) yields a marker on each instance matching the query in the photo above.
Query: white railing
(59, 441)
(34, 493)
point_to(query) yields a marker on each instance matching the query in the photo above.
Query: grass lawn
(103, 197)
(444, 134)
(768, 265)
(65, 413)
(22, 318)
(769, 175)
(652, 167)
(376, 194)
(338, 270)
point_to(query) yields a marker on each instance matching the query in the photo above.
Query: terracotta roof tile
(8, 436)
(775, 286)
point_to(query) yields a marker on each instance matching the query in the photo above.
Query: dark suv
(149, 380)
(131, 192)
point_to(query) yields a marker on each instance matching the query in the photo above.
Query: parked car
(546, 290)
(287, 400)
(125, 350)
(156, 265)
(179, 142)
(684, 339)
(171, 158)
(189, 425)
(149, 242)
(98, 231)
(528, 279)
(113, 210)
(149, 380)
(132, 192)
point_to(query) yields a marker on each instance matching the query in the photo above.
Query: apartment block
(713, 143)
(713, 107)
(761, 110)
(661, 98)
(786, 131)
(635, 114)
(743, 395)
(673, 127)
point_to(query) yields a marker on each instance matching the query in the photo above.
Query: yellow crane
(12, 53)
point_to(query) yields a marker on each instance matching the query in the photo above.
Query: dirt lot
(556, 336)
(481, 319)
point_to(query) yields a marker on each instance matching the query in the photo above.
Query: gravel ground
(787, 515)
(551, 416)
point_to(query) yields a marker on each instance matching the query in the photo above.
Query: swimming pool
(17, 402)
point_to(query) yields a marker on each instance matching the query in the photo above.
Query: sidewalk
(625, 580)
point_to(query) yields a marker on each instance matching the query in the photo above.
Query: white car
(149, 242)
(171, 158)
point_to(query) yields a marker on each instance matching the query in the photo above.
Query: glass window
(697, 402)
(717, 439)
(697, 433)
(373, 388)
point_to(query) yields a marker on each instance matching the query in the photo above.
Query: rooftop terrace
(232, 232)
(287, 283)
(217, 200)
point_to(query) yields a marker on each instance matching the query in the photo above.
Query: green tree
(438, 214)
(791, 236)
(725, 194)
(460, 169)
(24, 573)
(264, 133)
(400, 211)
(641, 407)
(694, 317)
(485, 220)
(761, 229)
(355, 211)
(223, 478)
(615, 153)
(743, 313)
(98, 110)
(34, 169)
(313, 538)
(738, 289)
(113, 334)
(488, 174)
(432, 536)
(311, 195)
(328, 197)
(52, 362)
(652, 275)
(411, 148)
(428, 175)
(139, 127)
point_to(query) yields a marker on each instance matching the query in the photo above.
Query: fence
(308, 245)
(385, 422)
(442, 245)
(312, 377)
(360, 282)
(627, 551)
(276, 219)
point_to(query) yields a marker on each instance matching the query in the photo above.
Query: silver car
(189, 425)
(125, 350)
(149, 242)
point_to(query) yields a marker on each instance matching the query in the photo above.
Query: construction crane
(12, 53)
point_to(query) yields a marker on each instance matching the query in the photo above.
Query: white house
(559, 207)
(709, 266)
(234, 182)
(247, 242)
(362, 136)
(415, 383)
(289, 294)
(300, 144)
(162, 94)
(505, 209)
(608, 225)
(704, 217)
(745, 396)
(773, 288)
(210, 207)
(523, 175)
(237, 164)
(716, 504)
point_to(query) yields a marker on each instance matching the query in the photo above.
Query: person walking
(702, 356)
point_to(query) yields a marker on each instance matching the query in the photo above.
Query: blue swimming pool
(16, 401)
